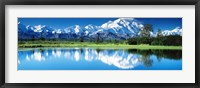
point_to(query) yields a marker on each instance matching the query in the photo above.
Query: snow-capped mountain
(92, 29)
(176, 31)
(123, 26)
(119, 29)
(76, 29)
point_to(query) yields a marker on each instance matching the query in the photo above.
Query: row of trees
(174, 40)
(146, 38)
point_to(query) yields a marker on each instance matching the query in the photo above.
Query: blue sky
(162, 23)
(61, 23)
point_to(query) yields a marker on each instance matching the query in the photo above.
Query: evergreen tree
(81, 39)
(159, 33)
(98, 38)
(33, 38)
(146, 31)
(90, 39)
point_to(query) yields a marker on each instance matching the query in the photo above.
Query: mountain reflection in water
(99, 59)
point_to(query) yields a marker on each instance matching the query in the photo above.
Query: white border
(187, 75)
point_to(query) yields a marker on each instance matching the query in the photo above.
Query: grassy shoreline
(101, 46)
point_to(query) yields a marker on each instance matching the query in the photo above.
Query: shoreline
(99, 46)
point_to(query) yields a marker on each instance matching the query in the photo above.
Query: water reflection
(97, 59)
(145, 55)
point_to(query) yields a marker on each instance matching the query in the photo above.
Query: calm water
(99, 59)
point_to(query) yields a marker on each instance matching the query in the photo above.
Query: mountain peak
(77, 29)
(38, 28)
(121, 28)
(175, 31)
(90, 26)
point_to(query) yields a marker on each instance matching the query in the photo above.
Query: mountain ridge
(120, 29)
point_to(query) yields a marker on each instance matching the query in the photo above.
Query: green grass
(37, 44)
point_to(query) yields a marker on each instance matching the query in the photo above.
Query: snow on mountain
(58, 31)
(152, 34)
(176, 31)
(24, 32)
(76, 29)
(121, 28)
(91, 29)
(27, 26)
(38, 28)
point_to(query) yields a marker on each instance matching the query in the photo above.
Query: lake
(86, 58)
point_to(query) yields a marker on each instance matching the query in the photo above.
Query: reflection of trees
(41, 50)
(33, 51)
(168, 54)
(81, 51)
(99, 50)
(116, 57)
(146, 60)
(145, 55)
